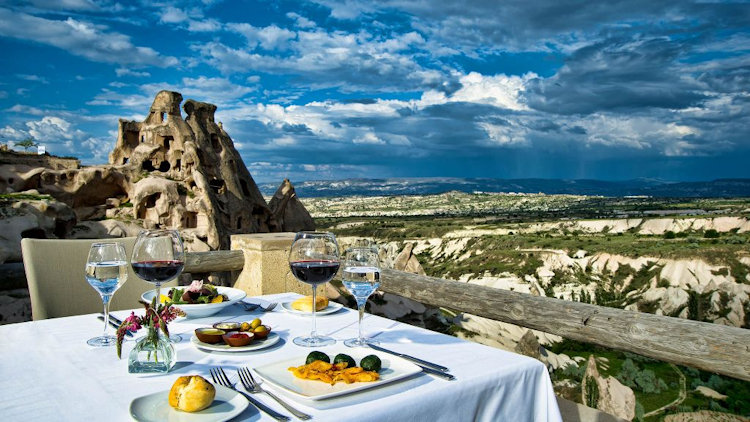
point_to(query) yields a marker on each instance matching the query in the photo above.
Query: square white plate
(393, 369)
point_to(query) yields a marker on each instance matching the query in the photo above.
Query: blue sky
(327, 89)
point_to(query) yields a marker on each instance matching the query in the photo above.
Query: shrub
(670, 235)
(711, 234)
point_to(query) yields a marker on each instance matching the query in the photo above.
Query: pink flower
(132, 323)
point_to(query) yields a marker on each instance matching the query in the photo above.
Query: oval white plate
(155, 407)
(278, 373)
(272, 339)
(201, 310)
(331, 308)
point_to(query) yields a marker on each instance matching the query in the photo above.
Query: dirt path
(680, 397)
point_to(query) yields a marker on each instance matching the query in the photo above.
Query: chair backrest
(55, 273)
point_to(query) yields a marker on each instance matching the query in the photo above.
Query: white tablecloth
(50, 374)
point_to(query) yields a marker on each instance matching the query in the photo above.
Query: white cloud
(204, 25)
(301, 21)
(505, 135)
(369, 138)
(80, 38)
(129, 72)
(270, 37)
(33, 78)
(284, 141)
(499, 90)
(171, 14)
(218, 91)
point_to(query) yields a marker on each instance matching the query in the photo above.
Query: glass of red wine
(314, 260)
(158, 257)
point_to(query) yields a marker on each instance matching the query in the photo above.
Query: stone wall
(36, 160)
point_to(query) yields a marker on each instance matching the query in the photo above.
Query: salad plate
(394, 369)
(155, 408)
(269, 341)
(331, 308)
(200, 310)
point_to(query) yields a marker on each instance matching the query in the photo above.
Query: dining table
(49, 373)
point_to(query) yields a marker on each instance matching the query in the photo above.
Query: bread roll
(191, 393)
(305, 303)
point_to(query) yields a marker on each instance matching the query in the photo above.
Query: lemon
(164, 298)
(217, 299)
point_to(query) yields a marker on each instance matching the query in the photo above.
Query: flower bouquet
(153, 352)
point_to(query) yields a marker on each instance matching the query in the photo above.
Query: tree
(27, 143)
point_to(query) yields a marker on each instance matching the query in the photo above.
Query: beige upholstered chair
(55, 274)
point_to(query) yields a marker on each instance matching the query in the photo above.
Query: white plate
(331, 308)
(272, 339)
(155, 407)
(393, 369)
(201, 310)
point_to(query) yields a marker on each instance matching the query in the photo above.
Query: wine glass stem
(158, 293)
(361, 314)
(105, 301)
(314, 333)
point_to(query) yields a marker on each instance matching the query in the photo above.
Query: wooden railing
(711, 347)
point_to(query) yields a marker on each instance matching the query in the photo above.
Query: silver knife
(114, 324)
(437, 373)
(418, 361)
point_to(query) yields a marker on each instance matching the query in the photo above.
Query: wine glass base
(102, 341)
(314, 341)
(355, 342)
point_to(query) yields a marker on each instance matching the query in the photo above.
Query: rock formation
(165, 171)
(607, 394)
(196, 179)
(288, 210)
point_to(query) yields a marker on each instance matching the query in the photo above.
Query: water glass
(106, 271)
(361, 276)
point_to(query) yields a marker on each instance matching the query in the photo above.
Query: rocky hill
(166, 171)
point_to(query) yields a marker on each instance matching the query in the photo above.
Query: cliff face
(204, 186)
(165, 171)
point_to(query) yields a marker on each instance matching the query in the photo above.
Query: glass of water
(106, 271)
(361, 276)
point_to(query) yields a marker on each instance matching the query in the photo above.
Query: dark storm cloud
(622, 73)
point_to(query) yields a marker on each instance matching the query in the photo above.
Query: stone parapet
(266, 269)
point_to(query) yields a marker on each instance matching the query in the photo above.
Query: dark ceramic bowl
(238, 339)
(261, 334)
(209, 334)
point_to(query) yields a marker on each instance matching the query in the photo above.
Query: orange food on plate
(332, 373)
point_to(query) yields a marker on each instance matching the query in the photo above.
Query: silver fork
(220, 378)
(253, 306)
(253, 387)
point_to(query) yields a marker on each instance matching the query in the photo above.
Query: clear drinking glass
(361, 276)
(106, 271)
(158, 257)
(314, 259)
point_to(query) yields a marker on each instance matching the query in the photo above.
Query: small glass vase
(153, 353)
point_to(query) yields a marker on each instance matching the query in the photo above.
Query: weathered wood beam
(213, 261)
(711, 347)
